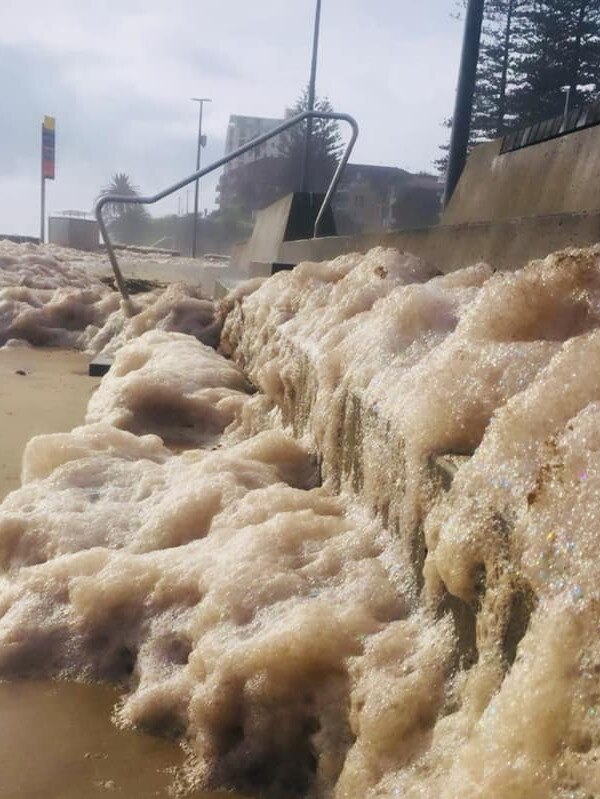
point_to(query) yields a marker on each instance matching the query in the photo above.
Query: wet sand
(57, 740)
(51, 397)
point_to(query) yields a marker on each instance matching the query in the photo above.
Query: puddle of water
(57, 742)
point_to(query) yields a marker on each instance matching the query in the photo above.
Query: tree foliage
(502, 42)
(560, 48)
(531, 50)
(325, 147)
(120, 183)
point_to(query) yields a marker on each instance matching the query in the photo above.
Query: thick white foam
(499, 365)
(51, 297)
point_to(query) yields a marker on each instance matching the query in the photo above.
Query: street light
(567, 92)
(311, 98)
(463, 109)
(201, 144)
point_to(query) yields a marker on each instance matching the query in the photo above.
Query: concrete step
(100, 365)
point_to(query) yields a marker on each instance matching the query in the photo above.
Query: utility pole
(201, 143)
(463, 109)
(304, 186)
(567, 92)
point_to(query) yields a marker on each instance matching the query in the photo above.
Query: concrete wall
(237, 253)
(504, 245)
(554, 177)
(507, 210)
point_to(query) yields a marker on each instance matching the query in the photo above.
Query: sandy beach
(79, 753)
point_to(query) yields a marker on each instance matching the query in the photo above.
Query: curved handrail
(154, 198)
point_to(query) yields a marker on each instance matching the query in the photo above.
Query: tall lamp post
(311, 100)
(201, 143)
(567, 91)
(463, 110)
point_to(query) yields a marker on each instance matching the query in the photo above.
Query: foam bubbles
(375, 577)
(493, 366)
(52, 297)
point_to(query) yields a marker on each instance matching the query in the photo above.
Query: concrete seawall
(507, 210)
(505, 245)
(560, 176)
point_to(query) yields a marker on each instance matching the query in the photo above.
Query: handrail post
(112, 256)
(337, 177)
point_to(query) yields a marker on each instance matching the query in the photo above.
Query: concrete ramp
(269, 231)
(290, 218)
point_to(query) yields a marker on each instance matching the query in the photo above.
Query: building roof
(375, 170)
(385, 176)
(243, 118)
(425, 181)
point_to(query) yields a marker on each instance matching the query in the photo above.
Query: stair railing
(154, 198)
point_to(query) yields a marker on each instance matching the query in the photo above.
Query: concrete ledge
(351, 450)
(223, 285)
(506, 245)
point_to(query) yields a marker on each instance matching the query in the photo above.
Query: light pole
(201, 143)
(567, 92)
(311, 99)
(463, 110)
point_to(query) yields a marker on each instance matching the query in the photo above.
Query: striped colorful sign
(48, 148)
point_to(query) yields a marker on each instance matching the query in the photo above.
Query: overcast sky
(118, 75)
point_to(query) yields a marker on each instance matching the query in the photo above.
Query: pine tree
(503, 29)
(531, 50)
(325, 147)
(499, 66)
(560, 48)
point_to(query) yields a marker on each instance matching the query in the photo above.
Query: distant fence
(577, 119)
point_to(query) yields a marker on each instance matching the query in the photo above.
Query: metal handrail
(136, 200)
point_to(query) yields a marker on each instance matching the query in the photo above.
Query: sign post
(48, 166)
